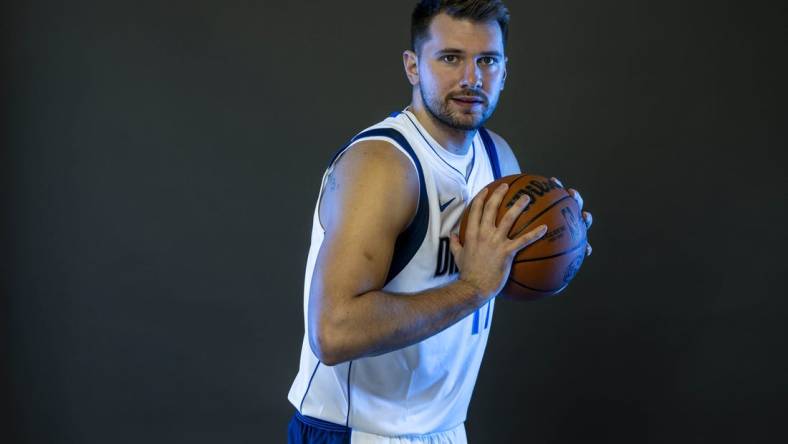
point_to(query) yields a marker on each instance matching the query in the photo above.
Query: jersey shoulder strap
(492, 153)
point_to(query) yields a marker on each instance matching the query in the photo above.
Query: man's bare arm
(369, 200)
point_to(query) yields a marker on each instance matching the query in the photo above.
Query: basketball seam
(577, 247)
(538, 289)
(538, 215)
(521, 176)
(515, 178)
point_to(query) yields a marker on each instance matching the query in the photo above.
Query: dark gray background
(160, 163)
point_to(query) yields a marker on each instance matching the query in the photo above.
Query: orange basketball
(545, 267)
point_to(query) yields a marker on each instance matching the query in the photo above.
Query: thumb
(454, 245)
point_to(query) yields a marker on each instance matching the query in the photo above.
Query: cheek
(441, 77)
(494, 82)
(494, 77)
(433, 84)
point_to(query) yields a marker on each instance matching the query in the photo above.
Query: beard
(440, 109)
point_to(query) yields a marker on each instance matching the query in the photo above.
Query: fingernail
(542, 229)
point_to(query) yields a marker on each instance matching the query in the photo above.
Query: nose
(472, 77)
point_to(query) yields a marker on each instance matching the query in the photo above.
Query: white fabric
(453, 436)
(460, 162)
(424, 388)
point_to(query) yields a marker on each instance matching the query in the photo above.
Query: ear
(505, 71)
(410, 60)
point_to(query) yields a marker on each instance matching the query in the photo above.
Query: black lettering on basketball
(520, 193)
(571, 222)
(574, 266)
(554, 235)
(514, 198)
(535, 189)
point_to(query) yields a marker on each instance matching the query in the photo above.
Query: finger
(528, 238)
(588, 249)
(455, 246)
(491, 207)
(508, 219)
(588, 218)
(472, 227)
(578, 198)
(557, 181)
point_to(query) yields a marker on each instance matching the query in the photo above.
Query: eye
(488, 60)
(449, 58)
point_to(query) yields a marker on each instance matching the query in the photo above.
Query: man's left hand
(587, 218)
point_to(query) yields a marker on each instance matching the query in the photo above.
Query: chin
(467, 126)
(467, 122)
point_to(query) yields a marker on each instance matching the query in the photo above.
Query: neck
(453, 140)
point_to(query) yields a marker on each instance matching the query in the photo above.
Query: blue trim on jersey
(439, 156)
(489, 145)
(395, 113)
(475, 328)
(473, 161)
(301, 406)
(347, 419)
(338, 152)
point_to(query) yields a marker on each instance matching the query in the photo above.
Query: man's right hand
(369, 198)
(485, 257)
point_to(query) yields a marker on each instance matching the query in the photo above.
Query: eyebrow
(460, 51)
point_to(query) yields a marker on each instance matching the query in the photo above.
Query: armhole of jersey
(409, 241)
(492, 153)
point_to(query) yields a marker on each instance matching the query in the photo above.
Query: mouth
(470, 100)
(469, 104)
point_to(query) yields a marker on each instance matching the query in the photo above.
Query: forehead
(471, 36)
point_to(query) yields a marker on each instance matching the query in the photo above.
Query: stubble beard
(439, 109)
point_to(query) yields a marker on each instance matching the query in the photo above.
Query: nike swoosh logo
(444, 205)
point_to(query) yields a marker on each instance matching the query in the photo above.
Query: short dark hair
(476, 10)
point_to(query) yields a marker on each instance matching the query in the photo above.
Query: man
(394, 332)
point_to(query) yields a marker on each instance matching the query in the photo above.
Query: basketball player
(396, 311)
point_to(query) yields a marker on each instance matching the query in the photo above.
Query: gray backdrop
(161, 162)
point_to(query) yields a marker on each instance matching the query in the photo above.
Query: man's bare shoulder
(374, 175)
(506, 157)
(377, 153)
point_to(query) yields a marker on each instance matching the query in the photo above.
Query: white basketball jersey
(426, 387)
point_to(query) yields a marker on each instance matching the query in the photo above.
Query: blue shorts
(308, 430)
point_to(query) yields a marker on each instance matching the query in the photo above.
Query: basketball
(545, 267)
